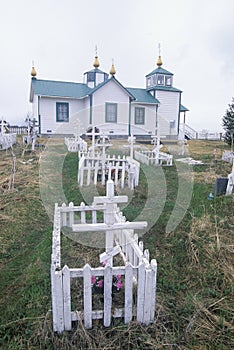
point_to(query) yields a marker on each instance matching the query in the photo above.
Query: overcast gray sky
(196, 37)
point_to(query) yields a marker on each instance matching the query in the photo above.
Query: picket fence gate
(95, 168)
(75, 144)
(138, 271)
(154, 158)
(7, 140)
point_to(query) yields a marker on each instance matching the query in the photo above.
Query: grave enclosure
(97, 166)
(137, 271)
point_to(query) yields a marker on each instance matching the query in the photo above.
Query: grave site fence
(7, 140)
(75, 144)
(153, 158)
(137, 272)
(97, 168)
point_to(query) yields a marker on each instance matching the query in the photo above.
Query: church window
(149, 81)
(62, 112)
(160, 80)
(139, 115)
(90, 76)
(111, 113)
(168, 81)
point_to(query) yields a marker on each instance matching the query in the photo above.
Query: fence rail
(154, 158)
(92, 169)
(138, 273)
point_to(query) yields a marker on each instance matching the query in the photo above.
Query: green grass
(195, 260)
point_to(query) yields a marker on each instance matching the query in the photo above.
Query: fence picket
(107, 295)
(66, 297)
(154, 283)
(128, 293)
(140, 293)
(87, 297)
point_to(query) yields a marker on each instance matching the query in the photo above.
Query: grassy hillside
(195, 260)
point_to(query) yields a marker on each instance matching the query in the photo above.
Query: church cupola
(159, 77)
(95, 76)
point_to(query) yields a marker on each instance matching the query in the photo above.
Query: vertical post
(141, 293)
(87, 297)
(67, 298)
(107, 295)
(109, 218)
(128, 293)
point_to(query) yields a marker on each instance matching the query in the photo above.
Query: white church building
(102, 101)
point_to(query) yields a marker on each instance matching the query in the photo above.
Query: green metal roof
(59, 88)
(183, 108)
(159, 70)
(143, 96)
(162, 87)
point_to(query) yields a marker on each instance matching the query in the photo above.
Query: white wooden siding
(112, 93)
(150, 120)
(48, 116)
(168, 110)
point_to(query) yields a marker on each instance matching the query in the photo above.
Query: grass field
(195, 300)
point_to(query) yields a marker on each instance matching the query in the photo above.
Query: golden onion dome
(112, 70)
(33, 72)
(159, 61)
(96, 62)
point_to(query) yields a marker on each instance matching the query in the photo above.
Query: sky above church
(196, 38)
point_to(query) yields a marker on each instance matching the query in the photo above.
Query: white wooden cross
(2, 125)
(93, 134)
(230, 183)
(77, 132)
(109, 201)
(103, 144)
(131, 140)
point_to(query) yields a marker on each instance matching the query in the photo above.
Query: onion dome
(33, 72)
(112, 70)
(159, 61)
(96, 62)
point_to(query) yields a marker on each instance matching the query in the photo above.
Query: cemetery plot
(96, 166)
(116, 285)
(154, 157)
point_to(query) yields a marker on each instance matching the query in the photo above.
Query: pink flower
(93, 279)
(118, 277)
(100, 284)
(104, 263)
(119, 285)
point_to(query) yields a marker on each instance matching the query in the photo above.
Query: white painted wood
(147, 297)
(154, 284)
(128, 304)
(107, 295)
(104, 227)
(66, 298)
(87, 297)
(230, 183)
(140, 293)
(59, 322)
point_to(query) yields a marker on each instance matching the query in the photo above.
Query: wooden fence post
(107, 295)
(66, 297)
(128, 293)
(87, 296)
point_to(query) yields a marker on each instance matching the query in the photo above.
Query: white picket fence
(153, 158)
(95, 168)
(7, 140)
(139, 273)
(230, 184)
(75, 144)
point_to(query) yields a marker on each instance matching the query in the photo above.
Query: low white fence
(7, 140)
(138, 273)
(75, 144)
(228, 156)
(154, 158)
(92, 169)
